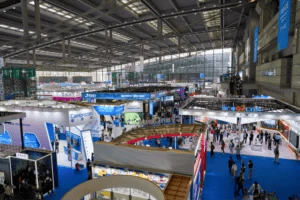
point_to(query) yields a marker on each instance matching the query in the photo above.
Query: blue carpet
(68, 179)
(283, 178)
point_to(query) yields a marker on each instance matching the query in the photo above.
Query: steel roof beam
(131, 23)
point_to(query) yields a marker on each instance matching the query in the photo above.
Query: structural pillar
(21, 131)
(37, 20)
(69, 50)
(63, 46)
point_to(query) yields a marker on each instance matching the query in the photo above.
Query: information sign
(284, 19)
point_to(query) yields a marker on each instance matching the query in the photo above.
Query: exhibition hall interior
(150, 99)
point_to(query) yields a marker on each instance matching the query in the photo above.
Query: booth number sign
(22, 155)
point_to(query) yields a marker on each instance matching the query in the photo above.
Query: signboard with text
(284, 19)
(22, 155)
(255, 51)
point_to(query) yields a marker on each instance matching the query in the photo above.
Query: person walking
(250, 169)
(243, 169)
(256, 188)
(238, 152)
(212, 147)
(221, 138)
(89, 168)
(266, 137)
(269, 142)
(276, 152)
(277, 139)
(240, 184)
(230, 163)
(231, 146)
(245, 137)
(57, 146)
(218, 133)
(8, 190)
(234, 171)
(223, 146)
(261, 136)
(214, 132)
(251, 137)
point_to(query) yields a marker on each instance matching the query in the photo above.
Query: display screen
(133, 118)
(159, 180)
(169, 98)
(271, 122)
(294, 139)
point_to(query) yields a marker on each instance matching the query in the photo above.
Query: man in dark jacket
(266, 137)
(251, 137)
(230, 163)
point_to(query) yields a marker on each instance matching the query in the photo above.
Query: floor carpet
(283, 178)
(68, 179)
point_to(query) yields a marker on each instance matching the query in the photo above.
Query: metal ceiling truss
(73, 29)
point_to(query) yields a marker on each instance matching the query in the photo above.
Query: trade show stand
(37, 167)
(49, 121)
(179, 173)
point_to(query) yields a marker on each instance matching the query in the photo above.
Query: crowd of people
(25, 186)
(248, 136)
(221, 131)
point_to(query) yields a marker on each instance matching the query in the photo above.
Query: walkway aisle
(282, 178)
(68, 179)
(284, 150)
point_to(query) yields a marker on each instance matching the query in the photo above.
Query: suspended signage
(118, 96)
(202, 75)
(255, 52)
(135, 106)
(241, 108)
(284, 19)
(151, 107)
(109, 110)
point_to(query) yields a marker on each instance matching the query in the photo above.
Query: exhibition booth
(167, 168)
(48, 122)
(18, 162)
(265, 114)
(143, 101)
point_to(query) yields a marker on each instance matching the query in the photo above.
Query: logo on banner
(90, 95)
(241, 108)
(81, 116)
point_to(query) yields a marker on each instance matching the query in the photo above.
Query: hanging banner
(255, 44)
(284, 19)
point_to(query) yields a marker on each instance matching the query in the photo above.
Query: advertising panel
(84, 116)
(88, 144)
(34, 129)
(109, 110)
(255, 51)
(151, 108)
(117, 96)
(134, 106)
(284, 19)
(133, 118)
